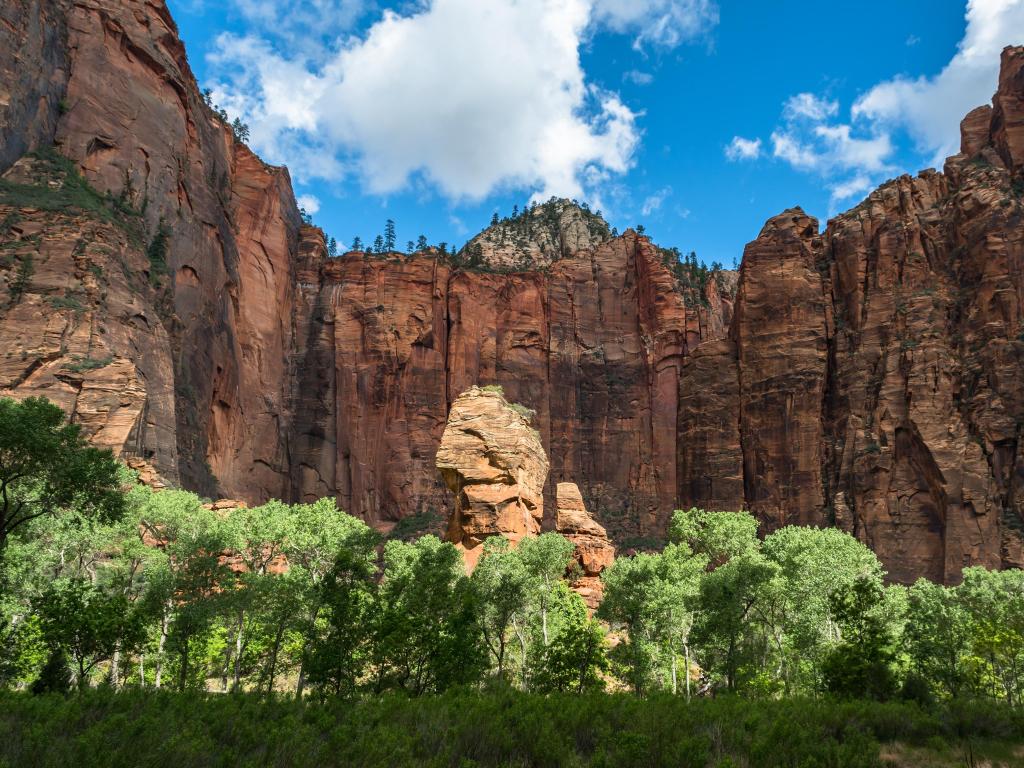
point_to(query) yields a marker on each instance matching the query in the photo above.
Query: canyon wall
(866, 376)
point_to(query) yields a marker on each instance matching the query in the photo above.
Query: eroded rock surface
(493, 462)
(866, 376)
(593, 551)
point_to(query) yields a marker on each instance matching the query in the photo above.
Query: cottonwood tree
(577, 656)
(502, 584)
(426, 633)
(48, 468)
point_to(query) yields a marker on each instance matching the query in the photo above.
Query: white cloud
(299, 25)
(809, 106)
(659, 22)
(310, 203)
(743, 149)
(397, 107)
(930, 108)
(637, 77)
(852, 187)
(655, 201)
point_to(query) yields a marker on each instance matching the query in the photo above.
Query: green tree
(938, 635)
(258, 537)
(421, 243)
(861, 665)
(502, 586)
(426, 632)
(389, 236)
(995, 601)
(728, 639)
(188, 580)
(545, 558)
(80, 621)
(630, 585)
(577, 655)
(357, 244)
(812, 564)
(336, 662)
(47, 468)
(328, 551)
(718, 535)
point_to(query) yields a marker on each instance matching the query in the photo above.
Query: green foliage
(861, 665)
(719, 535)
(22, 277)
(503, 728)
(83, 364)
(156, 252)
(47, 468)
(86, 625)
(59, 187)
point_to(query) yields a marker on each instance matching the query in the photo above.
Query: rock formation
(493, 462)
(593, 553)
(866, 376)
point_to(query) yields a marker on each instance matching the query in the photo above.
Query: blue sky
(699, 119)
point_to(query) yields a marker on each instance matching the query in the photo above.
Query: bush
(498, 728)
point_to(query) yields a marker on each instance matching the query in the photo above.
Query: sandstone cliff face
(878, 364)
(594, 346)
(109, 83)
(593, 551)
(492, 461)
(867, 376)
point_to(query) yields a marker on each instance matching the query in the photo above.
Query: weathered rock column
(493, 461)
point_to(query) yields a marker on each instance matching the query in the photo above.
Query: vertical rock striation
(865, 376)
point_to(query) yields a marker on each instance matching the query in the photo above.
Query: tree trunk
(237, 676)
(165, 619)
(675, 674)
(273, 657)
(115, 668)
(142, 669)
(686, 650)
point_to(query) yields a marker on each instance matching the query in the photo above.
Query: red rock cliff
(867, 376)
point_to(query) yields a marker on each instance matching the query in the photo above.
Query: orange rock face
(867, 376)
(594, 552)
(878, 364)
(492, 461)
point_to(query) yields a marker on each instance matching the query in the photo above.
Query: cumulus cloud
(659, 22)
(464, 95)
(743, 149)
(847, 157)
(301, 24)
(930, 108)
(309, 203)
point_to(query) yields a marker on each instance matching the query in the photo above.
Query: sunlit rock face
(492, 461)
(865, 376)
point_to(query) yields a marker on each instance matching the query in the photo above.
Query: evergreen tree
(378, 244)
(389, 236)
(357, 244)
(421, 243)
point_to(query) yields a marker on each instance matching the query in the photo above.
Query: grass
(83, 364)
(498, 728)
(60, 188)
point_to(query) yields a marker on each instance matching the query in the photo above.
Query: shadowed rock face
(593, 551)
(492, 461)
(866, 376)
